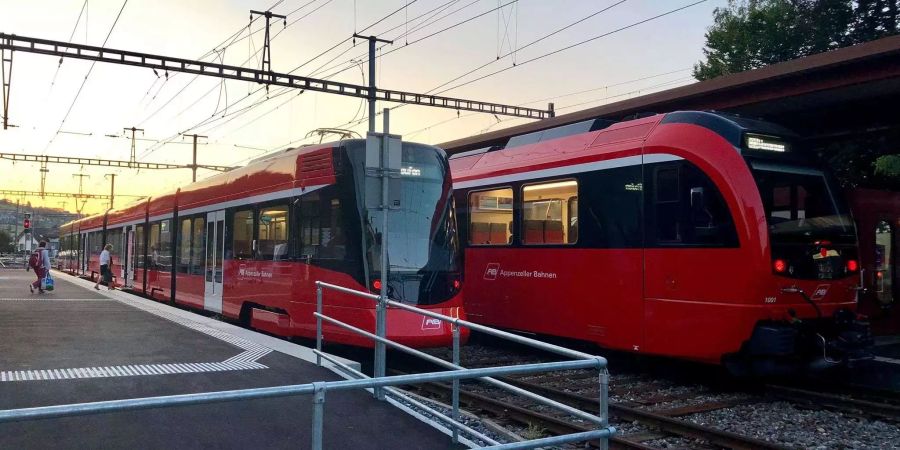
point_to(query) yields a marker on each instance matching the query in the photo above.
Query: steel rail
(835, 402)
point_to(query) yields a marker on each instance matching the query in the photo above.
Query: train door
(85, 252)
(215, 249)
(128, 267)
(884, 265)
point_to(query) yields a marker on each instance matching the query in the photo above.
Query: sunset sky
(648, 57)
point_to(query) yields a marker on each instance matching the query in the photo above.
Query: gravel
(790, 425)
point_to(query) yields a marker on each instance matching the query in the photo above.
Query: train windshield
(802, 204)
(423, 248)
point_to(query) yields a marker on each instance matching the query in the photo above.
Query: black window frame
(520, 207)
(514, 236)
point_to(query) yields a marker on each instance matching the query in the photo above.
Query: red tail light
(823, 252)
(779, 265)
(456, 284)
(852, 265)
(376, 285)
(879, 274)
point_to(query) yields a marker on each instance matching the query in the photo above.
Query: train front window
(423, 248)
(801, 204)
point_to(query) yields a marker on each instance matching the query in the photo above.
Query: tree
(748, 34)
(7, 244)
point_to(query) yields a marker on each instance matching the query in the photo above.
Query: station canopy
(837, 95)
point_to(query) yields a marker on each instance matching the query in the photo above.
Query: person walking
(41, 266)
(106, 269)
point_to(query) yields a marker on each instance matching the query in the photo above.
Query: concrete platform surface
(78, 345)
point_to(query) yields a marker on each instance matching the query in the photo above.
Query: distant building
(22, 242)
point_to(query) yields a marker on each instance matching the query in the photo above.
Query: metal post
(112, 189)
(381, 307)
(194, 164)
(6, 75)
(318, 417)
(604, 405)
(455, 399)
(318, 324)
(371, 95)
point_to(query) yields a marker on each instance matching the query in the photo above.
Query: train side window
(272, 236)
(184, 246)
(547, 217)
(154, 246)
(491, 217)
(139, 247)
(198, 246)
(884, 276)
(164, 261)
(322, 234)
(242, 232)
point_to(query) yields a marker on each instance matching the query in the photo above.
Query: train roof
(298, 168)
(569, 144)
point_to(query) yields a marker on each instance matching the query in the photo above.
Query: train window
(491, 217)
(547, 216)
(139, 247)
(164, 261)
(272, 235)
(686, 208)
(884, 243)
(114, 237)
(322, 234)
(198, 243)
(154, 246)
(242, 243)
(184, 246)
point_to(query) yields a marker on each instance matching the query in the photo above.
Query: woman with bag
(106, 269)
(41, 268)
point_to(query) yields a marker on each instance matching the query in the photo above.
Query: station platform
(78, 345)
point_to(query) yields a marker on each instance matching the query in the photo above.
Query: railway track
(654, 411)
(665, 421)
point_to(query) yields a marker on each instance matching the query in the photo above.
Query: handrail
(604, 431)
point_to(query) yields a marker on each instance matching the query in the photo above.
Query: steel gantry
(92, 53)
(13, 193)
(45, 159)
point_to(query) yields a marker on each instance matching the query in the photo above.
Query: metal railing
(318, 390)
(601, 420)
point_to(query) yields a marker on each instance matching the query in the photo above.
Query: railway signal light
(852, 265)
(26, 223)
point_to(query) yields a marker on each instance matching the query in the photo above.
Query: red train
(877, 215)
(249, 244)
(690, 234)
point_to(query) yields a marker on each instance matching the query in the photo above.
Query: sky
(77, 108)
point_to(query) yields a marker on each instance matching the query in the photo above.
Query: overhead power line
(91, 69)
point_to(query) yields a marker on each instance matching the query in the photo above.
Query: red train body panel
(251, 243)
(653, 236)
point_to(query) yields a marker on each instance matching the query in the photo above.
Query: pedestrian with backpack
(40, 262)
(106, 269)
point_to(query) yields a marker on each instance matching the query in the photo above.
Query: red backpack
(35, 261)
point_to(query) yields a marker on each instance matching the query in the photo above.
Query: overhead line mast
(124, 57)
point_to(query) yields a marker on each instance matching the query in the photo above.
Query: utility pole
(267, 48)
(194, 165)
(133, 158)
(112, 188)
(6, 71)
(44, 171)
(372, 41)
(81, 178)
(17, 226)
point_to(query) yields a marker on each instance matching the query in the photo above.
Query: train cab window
(242, 243)
(491, 217)
(547, 213)
(686, 208)
(184, 246)
(272, 236)
(198, 246)
(139, 247)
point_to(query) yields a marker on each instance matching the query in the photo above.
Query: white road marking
(246, 360)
